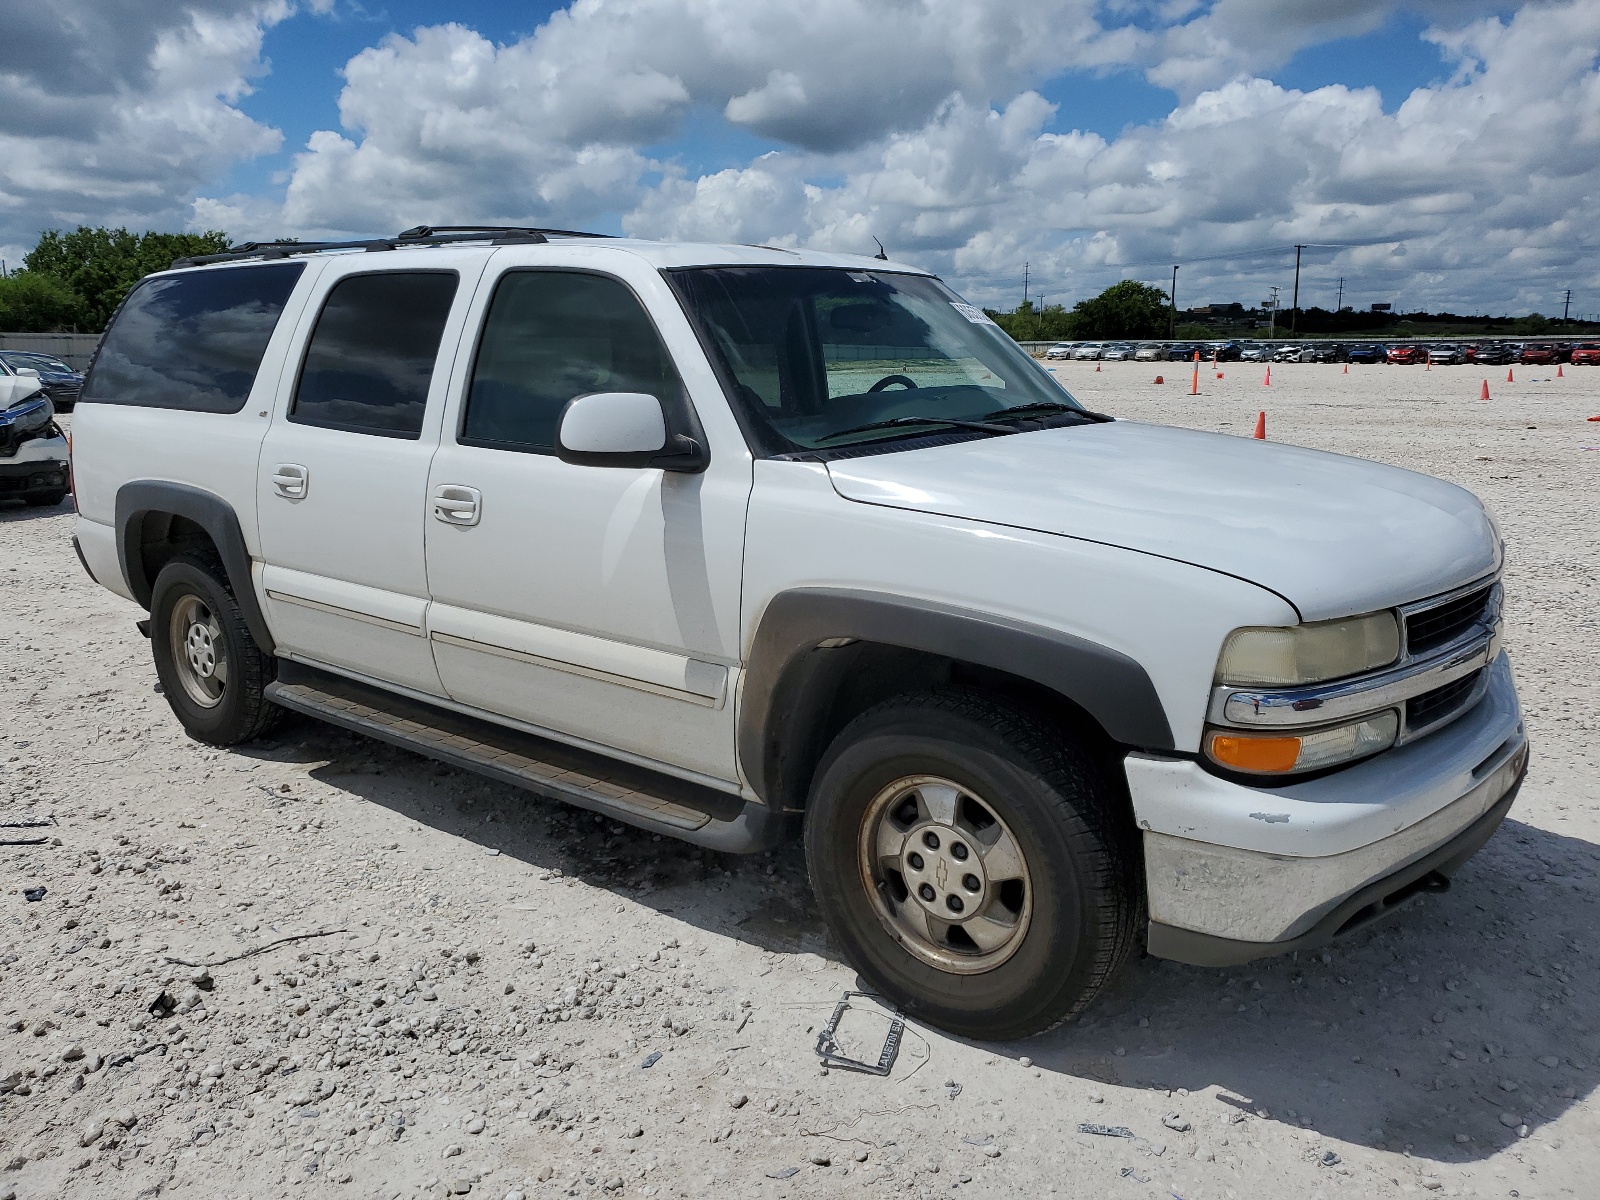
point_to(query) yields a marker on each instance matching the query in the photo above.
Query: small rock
(991, 1151)
(1025, 1061)
(1548, 1060)
(72, 1053)
(1510, 1120)
(457, 1046)
(1176, 1123)
(1431, 1182)
(125, 1117)
(820, 1159)
(514, 1194)
(460, 1187)
(738, 1100)
(1096, 1098)
(475, 1124)
(860, 1156)
(1462, 1139)
(1508, 1085)
(452, 1150)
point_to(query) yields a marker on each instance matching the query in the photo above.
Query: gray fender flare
(784, 655)
(141, 497)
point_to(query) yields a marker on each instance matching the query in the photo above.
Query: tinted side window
(192, 341)
(370, 359)
(553, 335)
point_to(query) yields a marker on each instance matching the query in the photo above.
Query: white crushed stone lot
(526, 999)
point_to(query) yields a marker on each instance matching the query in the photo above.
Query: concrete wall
(74, 349)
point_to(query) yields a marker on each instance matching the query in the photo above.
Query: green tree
(1124, 310)
(35, 303)
(1030, 324)
(1532, 323)
(100, 265)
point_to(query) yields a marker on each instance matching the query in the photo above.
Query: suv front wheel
(968, 858)
(210, 667)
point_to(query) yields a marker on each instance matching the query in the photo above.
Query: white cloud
(117, 113)
(919, 121)
(1476, 188)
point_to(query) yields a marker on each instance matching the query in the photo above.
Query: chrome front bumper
(1236, 872)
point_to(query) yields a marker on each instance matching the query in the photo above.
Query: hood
(1332, 535)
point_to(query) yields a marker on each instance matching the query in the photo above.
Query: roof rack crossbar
(420, 235)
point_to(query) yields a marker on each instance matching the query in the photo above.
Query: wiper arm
(897, 422)
(1045, 406)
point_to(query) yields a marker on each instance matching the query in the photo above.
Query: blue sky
(1451, 145)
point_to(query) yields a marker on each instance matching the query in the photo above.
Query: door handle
(291, 480)
(457, 505)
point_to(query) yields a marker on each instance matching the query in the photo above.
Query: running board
(628, 793)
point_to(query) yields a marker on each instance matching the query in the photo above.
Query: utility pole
(1294, 308)
(1339, 305)
(1024, 285)
(1272, 305)
(1566, 306)
(1172, 321)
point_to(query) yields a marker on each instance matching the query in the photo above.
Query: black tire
(241, 711)
(44, 499)
(1061, 809)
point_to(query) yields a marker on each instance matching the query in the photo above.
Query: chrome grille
(1443, 623)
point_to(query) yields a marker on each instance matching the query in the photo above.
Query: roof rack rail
(419, 235)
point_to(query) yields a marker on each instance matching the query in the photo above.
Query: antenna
(880, 254)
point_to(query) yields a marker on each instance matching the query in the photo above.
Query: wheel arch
(819, 656)
(157, 519)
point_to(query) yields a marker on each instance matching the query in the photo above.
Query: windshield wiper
(897, 422)
(1045, 406)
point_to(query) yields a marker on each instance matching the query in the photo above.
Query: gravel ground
(503, 997)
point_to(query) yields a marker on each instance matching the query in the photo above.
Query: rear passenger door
(343, 474)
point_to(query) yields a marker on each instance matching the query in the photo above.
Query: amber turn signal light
(1256, 754)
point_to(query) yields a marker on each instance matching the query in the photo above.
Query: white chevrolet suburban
(734, 543)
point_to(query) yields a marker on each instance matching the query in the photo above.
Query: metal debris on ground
(33, 894)
(832, 1054)
(650, 1060)
(1130, 1173)
(24, 841)
(986, 1140)
(1104, 1130)
(262, 949)
(783, 1173)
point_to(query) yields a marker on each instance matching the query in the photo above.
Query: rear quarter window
(192, 341)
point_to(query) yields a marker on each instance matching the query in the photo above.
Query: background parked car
(1088, 350)
(1150, 352)
(1493, 354)
(1117, 352)
(1368, 352)
(1061, 350)
(1326, 352)
(1586, 354)
(1405, 354)
(1540, 354)
(1290, 353)
(1255, 352)
(1181, 351)
(1227, 351)
(1446, 354)
(58, 381)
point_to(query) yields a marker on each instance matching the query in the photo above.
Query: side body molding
(785, 660)
(141, 497)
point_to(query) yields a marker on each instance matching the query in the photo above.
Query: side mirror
(29, 371)
(623, 429)
(15, 388)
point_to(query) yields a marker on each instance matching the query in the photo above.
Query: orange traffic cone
(1261, 428)
(1559, 373)
(1509, 379)
(1097, 364)
(1159, 379)
(1194, 384)
(1347, 368)
(1267, 382)
(1484, 395)
(1429, 365)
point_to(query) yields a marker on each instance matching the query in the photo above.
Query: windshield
(40, 362)
(815, 353)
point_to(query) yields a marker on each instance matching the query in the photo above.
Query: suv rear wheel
(210, 667)
(967, 859)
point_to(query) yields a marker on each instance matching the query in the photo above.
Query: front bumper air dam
(1236, 873)
(1431, 873)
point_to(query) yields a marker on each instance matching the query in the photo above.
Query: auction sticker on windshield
(976, 315)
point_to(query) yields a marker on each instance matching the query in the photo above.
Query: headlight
(1284, 754)
(1309, 653)
(29, 415)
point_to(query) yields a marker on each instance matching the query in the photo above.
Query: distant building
(1382, 307)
